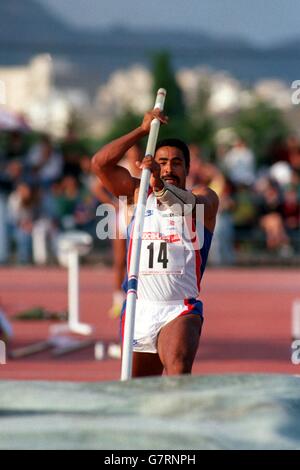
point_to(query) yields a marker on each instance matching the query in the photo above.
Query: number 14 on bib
(161, 257)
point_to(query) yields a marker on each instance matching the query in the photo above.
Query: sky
(263, 22)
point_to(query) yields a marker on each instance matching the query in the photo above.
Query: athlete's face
(172, 166)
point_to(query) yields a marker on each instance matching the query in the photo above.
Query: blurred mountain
(27, 21)
(27, 28)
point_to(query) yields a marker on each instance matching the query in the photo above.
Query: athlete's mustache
(173, 177)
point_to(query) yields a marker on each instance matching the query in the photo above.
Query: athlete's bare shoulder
(208, 197)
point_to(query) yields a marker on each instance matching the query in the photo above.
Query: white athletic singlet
(173, 259)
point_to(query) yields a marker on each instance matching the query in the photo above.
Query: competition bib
(162, 257)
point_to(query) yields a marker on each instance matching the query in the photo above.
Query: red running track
(247, 322)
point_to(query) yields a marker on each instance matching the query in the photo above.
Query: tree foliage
(260, 126)
(123, 125)
(164, 77)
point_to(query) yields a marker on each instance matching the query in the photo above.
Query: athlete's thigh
(179, 340)
(146, 364)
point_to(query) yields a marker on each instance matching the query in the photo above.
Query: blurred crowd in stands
(44, 190)
(47, 189)
(259, 207)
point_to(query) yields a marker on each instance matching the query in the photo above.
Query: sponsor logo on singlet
(159, 236)
(149, 212)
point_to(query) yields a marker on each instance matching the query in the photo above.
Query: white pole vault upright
(71, 246)
(136, 244)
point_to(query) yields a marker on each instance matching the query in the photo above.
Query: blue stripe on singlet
(205, 249)
(129, 229)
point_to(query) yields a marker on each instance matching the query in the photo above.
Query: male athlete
(168, 317)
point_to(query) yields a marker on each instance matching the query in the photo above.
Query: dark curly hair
(179, 144)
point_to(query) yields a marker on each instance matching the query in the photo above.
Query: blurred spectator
(245, 212)
(46, 229)
(86, 177)
(195, 175)
(72, 154)
(15, 146)
(76, 207)
(3, 230)
(22, 212)
(202, 172)
(293, 152)
(45, 162)
(239, 164)
(222, 250)
(270, 206)
(66, 202)
(281, 172)
(291, 210)
(9, 178)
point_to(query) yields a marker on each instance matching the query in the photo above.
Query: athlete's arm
(115, 178)
(209, 198)
(105, 162)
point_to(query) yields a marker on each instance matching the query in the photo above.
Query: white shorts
(151, 317)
